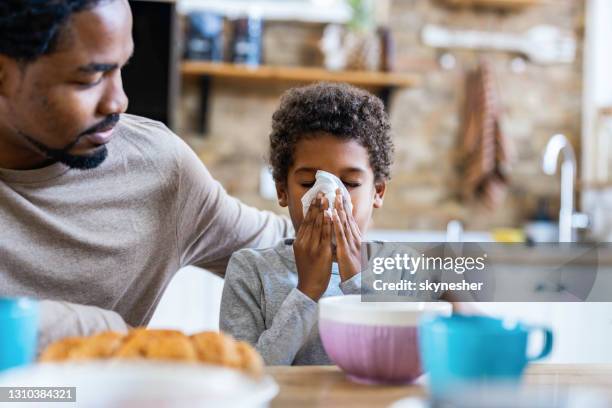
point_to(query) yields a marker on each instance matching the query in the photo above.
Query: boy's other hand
(312, 249)
(348, 240)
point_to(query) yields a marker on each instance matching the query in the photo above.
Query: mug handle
(548, 343)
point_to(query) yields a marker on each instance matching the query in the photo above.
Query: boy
(270, 296)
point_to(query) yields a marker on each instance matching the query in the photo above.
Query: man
(98, 209)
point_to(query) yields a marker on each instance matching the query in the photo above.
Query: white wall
(190, 303)
(597, 83)
(596, 141)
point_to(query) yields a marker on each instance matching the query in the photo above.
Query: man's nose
(114, 100)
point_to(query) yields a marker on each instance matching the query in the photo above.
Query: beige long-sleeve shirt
(112, 237)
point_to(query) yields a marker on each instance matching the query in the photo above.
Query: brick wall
(423, 193)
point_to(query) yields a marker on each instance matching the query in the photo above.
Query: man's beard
(73, 161)
(81, 162)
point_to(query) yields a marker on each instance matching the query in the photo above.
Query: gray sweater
(262, 305)
(103, 244)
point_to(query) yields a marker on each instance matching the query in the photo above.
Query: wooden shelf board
(605, 111)
(268, 10)
(298, 74)
(497, 3)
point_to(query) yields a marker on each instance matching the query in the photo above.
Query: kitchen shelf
(499, 4)
(298, 74)
(384, 83)
(272, 10)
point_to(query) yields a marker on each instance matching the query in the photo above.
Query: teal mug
(465, 350)
(18, 331)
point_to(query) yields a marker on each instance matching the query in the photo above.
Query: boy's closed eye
(307, 184)
(351, 184)
(347, 184)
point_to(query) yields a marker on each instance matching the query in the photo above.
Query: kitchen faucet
(454, 231)
(568, 220)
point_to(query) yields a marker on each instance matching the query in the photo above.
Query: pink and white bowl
(375, 342)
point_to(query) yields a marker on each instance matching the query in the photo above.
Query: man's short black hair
(30, 28)
(341, 110)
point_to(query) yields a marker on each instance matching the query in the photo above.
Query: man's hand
(348, 240)
(312, 249)
(59, 319)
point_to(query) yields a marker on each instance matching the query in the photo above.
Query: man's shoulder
(135, 121)
(147, 134)
(149, 142)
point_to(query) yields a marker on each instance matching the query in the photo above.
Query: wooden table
(326, 386)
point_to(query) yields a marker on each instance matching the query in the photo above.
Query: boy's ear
(10, 76)
(380, 188)
(282, 194)
(9, 71)
(3, 75)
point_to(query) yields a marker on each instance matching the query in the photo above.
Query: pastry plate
(145, 384)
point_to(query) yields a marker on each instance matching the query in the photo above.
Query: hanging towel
(484, 150)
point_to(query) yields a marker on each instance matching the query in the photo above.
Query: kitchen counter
(326, 386)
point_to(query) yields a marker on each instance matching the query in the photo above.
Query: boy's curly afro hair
(339, 109)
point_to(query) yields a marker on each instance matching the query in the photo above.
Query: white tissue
(327, 183)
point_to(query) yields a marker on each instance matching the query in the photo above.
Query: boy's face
(348, 160)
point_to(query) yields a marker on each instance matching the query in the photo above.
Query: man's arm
(211, 225)
(63, 319)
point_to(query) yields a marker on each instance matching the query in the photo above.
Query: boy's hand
(312, 249)
(348, 240)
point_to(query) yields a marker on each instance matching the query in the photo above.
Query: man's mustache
(108, 122)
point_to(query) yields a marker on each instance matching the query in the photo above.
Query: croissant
(170, 345)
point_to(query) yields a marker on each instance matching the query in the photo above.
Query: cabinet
(151, 79)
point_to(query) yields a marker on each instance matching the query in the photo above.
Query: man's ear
(282, 194)
(380, 188)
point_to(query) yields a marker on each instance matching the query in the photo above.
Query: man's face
(63, 106)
